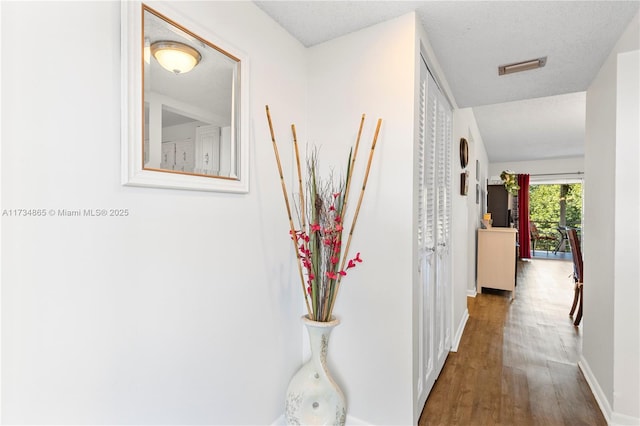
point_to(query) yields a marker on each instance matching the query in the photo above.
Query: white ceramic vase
(313, 398)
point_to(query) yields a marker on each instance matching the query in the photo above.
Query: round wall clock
(464, 153)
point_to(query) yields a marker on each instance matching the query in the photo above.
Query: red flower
(352, 262)
(315, 227)
(332, 275)
(334, 260)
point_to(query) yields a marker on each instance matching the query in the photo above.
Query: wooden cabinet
(497, 259)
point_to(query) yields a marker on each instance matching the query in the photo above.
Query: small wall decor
(464, 183)
(464, 153)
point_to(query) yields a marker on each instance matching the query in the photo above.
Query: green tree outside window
(545, 206)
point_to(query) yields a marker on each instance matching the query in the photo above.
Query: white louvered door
(443, 231)
(434, 212)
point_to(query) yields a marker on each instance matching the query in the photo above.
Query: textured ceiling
(471, 39)
(541, 128)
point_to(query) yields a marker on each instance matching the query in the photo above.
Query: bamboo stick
(286, 201)
(353, 162)
(343, 207)
(355, 216)
(303, 222)
(303, 216)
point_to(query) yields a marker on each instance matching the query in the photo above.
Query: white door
(207, 155)
(443, 235)
(434, 212)
(168, 156)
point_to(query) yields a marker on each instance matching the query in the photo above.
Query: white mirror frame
(133, 173)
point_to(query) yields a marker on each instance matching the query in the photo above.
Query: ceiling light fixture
(174, 56)
(147, 51)
(522, 66)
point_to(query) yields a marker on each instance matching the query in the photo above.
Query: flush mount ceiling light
(174, 56)
(147, 51)
(522, 66)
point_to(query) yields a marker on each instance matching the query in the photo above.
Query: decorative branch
(355, 216)
(292, 231)
(295, 146)
(353, 162)
(318, 242)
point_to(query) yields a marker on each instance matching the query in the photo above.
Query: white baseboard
(601, 399)
(458, 336)
(356, 421)
(471, 293)
(612, 418)
(618, 419)
(280, 421)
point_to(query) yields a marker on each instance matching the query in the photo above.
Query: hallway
(517, 362)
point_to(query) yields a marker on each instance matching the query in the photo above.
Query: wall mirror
(185, 109)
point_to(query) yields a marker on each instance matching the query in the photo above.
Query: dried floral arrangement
(318, 235)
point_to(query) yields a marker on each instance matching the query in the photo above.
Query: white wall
(185, 311)
(626, 375)
(371, 72)
(376, 71)
(466, 211)
(611, 323)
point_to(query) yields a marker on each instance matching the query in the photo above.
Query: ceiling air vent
(522, 66)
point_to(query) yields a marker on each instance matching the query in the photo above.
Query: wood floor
(517, 361)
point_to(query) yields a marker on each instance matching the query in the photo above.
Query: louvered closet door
(443, 251)
(434, 212)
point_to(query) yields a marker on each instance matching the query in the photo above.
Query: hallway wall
(167, 315)
(611, 344)
(371, 72)
(467, 213)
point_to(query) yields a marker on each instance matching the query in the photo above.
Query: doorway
(554, 208)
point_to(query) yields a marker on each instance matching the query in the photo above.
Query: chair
(536, 236)
(578, 274)
(564, 239)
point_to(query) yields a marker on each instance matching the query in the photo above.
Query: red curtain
(523, 217)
